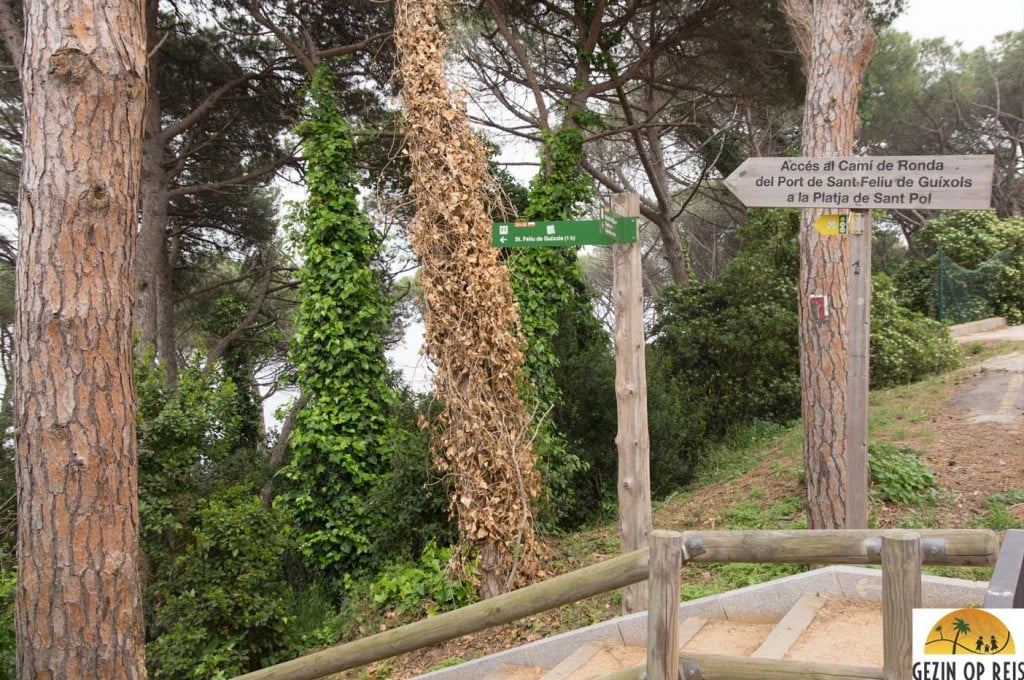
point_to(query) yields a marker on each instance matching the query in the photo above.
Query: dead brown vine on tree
(472, 322)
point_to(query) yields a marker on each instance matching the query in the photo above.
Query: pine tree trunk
(836, 42)
(154, 301)
(152, 244)
(78, 597)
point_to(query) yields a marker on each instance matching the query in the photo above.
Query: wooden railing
(900, 553)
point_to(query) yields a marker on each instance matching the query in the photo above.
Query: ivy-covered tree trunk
(340, 437)
(472, 320)
(557, 317)
(836, 41)
(79, 612)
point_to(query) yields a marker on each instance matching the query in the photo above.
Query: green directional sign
(552, 234)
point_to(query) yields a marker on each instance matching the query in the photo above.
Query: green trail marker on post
(552, 234)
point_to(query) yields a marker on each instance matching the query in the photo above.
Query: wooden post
(901, 592)
(632, 438)
(667, 553)
(859, 295)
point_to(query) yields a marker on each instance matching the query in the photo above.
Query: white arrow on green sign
(571, 233)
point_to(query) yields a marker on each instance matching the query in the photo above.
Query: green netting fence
(963, 294)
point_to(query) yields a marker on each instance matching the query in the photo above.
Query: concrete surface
(980, 326)
(763, 602)
(986, 330)
(996, 394)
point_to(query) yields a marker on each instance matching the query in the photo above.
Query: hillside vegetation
(927, 461)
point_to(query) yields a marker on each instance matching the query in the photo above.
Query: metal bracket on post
(933, 549)
(689, 670)
(692, 546)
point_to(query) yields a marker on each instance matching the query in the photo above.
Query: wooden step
(607, 659)
(510, 672)
(574, 661)
(732, 638)
(689, 629)
(799, 636)
(859, 622)
(792, 625)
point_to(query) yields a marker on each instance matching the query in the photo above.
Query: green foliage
(6, 294)
(563, 336)
(725, 352)
(915, 281)
(905, 346)
(423, 588)
(997, 510)
(216, 591)
(738, 452)
(8, 649)
(410, 499)
(341, 438)
(752, 515)
(975, 269)
(587, 418)
(711, 579)
(899, 476)
(969, 237)
(225, 609)
(187, 450)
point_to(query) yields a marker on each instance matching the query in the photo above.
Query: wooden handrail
(959, 547)
(939, 546)
(578, 585)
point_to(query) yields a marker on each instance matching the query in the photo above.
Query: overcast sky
(973, 22)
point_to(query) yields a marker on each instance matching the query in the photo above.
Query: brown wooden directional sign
(924, 182)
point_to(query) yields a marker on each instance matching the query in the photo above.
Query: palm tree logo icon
(969, 631)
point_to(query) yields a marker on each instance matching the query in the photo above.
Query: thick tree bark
(836, 42)
(78, 597)
(154, 308)
(152, 238)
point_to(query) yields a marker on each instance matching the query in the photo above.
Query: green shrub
(1007, 290)
(905, 346)
(410, 496)
(8, 650)
(899, 476)
(224, 606)
(997, 514)
(725, 352)
(967, 240)
(587, 420)
(915, 281)
(421, 588)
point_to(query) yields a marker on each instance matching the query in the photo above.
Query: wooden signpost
(858, 184)
(618, 229)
